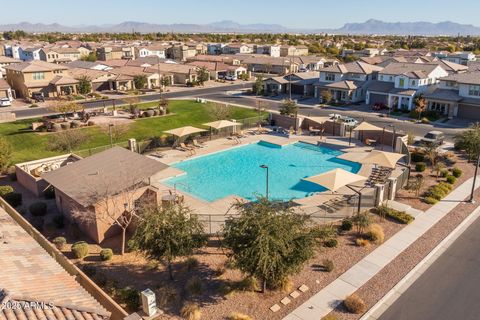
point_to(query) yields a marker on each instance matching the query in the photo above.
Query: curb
(391, 296)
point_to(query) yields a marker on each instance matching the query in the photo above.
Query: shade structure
(353, 156)
(184, 131)
(382, 158)
(222, 124)
(335, 179)
(365, 126)
(319, 119)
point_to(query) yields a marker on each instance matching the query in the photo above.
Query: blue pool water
(237, 171)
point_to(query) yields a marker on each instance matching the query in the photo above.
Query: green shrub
(354, 304)
(451, 179)
(80, 249)
(38, 209)
(445, 185)
(398, 216)
(330, 243)
(191, 263)
(456, 172)
(59, 242)
(420, 166)
(131, 298)
(328, 265)
(417, 157)
(430, 200)
(59, 221)
(194, 286)
(4, 190)
(247, 284)
(444, 173)
(346, 225)
(106, 254)
(14, 199)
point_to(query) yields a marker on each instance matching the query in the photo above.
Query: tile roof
(414, 70)
(443, 94)
(353, 67)
(346, 85)
(35, 66)
(5, 59)
(466, 78)
(30, 274)
(59, 80)
(102, 174)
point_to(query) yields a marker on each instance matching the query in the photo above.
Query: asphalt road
(42, 111)
(449, 289)
(400, 125)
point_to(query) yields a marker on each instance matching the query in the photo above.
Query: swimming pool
(237, 171)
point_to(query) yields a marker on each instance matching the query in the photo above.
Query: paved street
(449, 289)
(417, 129)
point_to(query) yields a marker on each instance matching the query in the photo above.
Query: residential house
(38, 282)
(100, 80)
(273, 50)
(40, 76)
(59, 55)
(177, 73)
(457, 95)
(29, 54)
(88, 65)
(115, 52)
(399, 83)
(147, 51)
(457, 57)
(181, 52)
(227, 59)
(218, 70)
(6, 61)
(237, 48)
(262, 63)
(299, 50)
(153, 77)
(301, 83)
(215, 48)
(346, 82)
(108, 190)
(5, 90)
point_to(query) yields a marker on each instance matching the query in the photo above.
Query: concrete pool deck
(215, 212)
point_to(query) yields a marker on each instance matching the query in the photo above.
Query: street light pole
(263, 166)
(110, 125)
(474, 180)
(383, 136)
(393, 137)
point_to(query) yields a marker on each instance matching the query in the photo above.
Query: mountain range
(368, 28)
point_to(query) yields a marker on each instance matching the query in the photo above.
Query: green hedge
(4, 190)
(451, 179)
(80, 249)
(106, 254)
(456, 172)
(420, 166)
(398, 216)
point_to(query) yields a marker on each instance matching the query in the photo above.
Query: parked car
(231, 77)
(5, 102)
(433, 137)
(38, 97)
(350, 122)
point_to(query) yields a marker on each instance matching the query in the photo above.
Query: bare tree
(220, 111)
(66, 140)
(115, 130)
(63, 107)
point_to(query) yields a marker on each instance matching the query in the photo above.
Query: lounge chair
(196, 144)
(184, 147)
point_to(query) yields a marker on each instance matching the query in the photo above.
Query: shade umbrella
(382, 158)
(222, 124)
(336, 179)
(184, 131)
(320, 120)
(365, 126)
(353, 156)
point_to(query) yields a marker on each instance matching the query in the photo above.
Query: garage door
(297, 89)
(378, 98)
(468, 112)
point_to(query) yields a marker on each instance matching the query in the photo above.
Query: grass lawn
(28, 145)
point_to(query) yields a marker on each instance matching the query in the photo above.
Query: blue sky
(290, 13)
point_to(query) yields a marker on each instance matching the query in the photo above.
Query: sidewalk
(332, 295)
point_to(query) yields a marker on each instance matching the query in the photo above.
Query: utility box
(149, 304)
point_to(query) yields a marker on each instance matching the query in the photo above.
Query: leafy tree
(84, 85)
(420, 105)
(439, 166)
(140, 81)
(67, 140)
(167, 232)
(289, 107)
(326, 96)
(5, 154)
(257, 87)
(91, 57)
(63, 107)
(269, 241)
(165, 81)
(203, 75)
(361, 221)
(469, 140)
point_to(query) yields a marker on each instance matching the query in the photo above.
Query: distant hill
(369, 27)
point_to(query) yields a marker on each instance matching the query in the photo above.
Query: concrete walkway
(332, 295)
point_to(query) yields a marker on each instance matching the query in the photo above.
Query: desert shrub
(247, 284)
(457, 172)
(327, 265)
(194, 286)
(80, 249)
(375, 233)
(330, 243)
(445, 186)
(451, 179)
(13, 198)
(362, 221)
(362, 242)
(59, 242)
(399, 216)
(420, 166)
(284, 285)
(430, 200)
(106, 254)
(49, 193)
(191, 263)
(346, 225)
(354, 304)
(131, 298)
(191, 311)
(238, 316)
(38, 209)
(4, 190)
(219, 271)
(59, 221)
(152, 264)
(444, 173)
(417, 157)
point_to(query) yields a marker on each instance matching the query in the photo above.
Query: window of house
(390, 78)
(330, 77)
(474, 91)
(449, 83)
(38, 76)
(414, 83)
(401, 82)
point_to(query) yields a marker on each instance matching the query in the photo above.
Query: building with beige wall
(60, 55)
